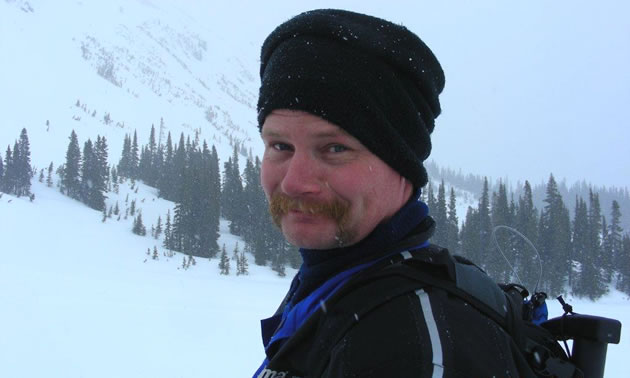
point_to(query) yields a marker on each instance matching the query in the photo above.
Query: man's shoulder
(387, 340)
(402, 334)
(404, 312)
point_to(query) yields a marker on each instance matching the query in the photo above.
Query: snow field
(79, 300)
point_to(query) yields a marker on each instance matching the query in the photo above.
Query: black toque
(376, 80)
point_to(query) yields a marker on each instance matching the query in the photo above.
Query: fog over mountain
(532, 88)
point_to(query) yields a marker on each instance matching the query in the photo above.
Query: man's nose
(302, 175)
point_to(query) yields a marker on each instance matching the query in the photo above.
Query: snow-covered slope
(136, 61)
(80, 298)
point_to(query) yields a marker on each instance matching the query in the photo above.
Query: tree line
(85, 176)
(583, 255)
(16, 171)
(187, 173)
(473, 185)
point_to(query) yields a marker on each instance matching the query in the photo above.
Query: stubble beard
(337, 210)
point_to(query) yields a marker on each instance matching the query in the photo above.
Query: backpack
(537, 350)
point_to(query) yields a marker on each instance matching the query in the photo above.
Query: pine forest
(582, 251)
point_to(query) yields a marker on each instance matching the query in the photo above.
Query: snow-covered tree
(70, 180)
(224, 262)
(138, 226)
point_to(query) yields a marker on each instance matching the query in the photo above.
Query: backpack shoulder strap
(431, 266)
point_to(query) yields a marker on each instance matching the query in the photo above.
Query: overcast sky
(531, 88)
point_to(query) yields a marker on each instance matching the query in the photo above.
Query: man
(347, 105)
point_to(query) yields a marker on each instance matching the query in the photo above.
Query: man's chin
(314, 244)
(310, 235)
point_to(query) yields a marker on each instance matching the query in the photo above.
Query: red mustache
(280, 205)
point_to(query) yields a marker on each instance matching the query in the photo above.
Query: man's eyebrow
(270, 133)
(330, 134)
(318, 135)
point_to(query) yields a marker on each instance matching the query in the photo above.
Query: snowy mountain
(82, 297)
(128, 65)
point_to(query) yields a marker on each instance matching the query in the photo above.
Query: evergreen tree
(183, 216)
(235, 253)
(469, 235)
(580, 248)
(15, 168)
(144, 165)
(624, 265)
(8, 180)
(431, 202)
(593, 280)
(606, 262)
(615, 233)
(206, 210)
(178, 171)
(167, 175)
(501, 215)
(189, 146)
(249, 193)
(49, 182)
(125, 158)
(243, 265)
(555, 240)
(485, 224)
(255, 210)
(102, 166)
(452, 228)
(231, 197)
(133, 157)
(224, 262)
(152, 152)
(168, 241)
(17, 171)
(214, 189)
(115, 184)
(23, 169)
(526, 221)
(478, 229)
(138, 226)
(440, 237)
(158, 228)
(70, 181)
(157, 166)
(7, 183)
(87, 172)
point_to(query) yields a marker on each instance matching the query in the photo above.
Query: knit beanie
(376, 80)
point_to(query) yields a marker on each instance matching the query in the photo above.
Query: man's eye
(336, 148)
(280, 146)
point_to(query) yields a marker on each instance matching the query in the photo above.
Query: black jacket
(385, 323)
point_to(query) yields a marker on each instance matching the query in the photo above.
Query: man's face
(325, 188)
